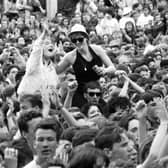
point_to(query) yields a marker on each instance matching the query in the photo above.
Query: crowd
(87, 88)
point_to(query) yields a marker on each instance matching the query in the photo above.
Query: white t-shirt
(144, 20)
(32, 164)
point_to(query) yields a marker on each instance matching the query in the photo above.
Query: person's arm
(127, 36)
(141, 109)
(162, 130)
(20, 5)
(124, 90)
(134, 85)
(35, 60)
(65, 62)
(65, 113)
(72, 86)
(109, 66)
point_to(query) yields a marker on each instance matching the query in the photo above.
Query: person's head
(89, 157)
(46, 137)
(31, 102)
(111, 138)
(91, 110)
(79, 36)
(102, 82)
(149, 97)
(92, 92)
(144, 72)
(146, 10)
(116, 35)
(84, 137)
(12, 70)
(129, 26)
(48, 49)
(115, 47)
(27, 122)
(59, 17)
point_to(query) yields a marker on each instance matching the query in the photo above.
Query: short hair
(50, 124)
(35, 100)
(92, 85)
(87, 157)
(25, 117)
(8, 69)
(107, 136)
(85, 108)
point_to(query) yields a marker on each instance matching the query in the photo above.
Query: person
(88, 157)
(40, 69)
(26, 123)
(31, 102)
(30, 5)
(87, 61)
(46, 137)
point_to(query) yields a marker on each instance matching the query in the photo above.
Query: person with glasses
(89, 62)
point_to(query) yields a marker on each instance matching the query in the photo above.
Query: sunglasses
(79, 39)
(91, 94)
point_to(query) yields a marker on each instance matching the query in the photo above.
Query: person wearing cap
(88, 61)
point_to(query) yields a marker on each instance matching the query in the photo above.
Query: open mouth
(50, 49)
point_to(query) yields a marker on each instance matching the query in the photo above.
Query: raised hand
(141, 109)
(99, 70)
(11, 157)
(72, 86)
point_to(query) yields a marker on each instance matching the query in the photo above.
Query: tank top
(84, 69)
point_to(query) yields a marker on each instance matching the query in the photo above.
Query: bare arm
(109, 66)
(65, 63)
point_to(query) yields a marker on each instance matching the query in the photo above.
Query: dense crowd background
(122, 118)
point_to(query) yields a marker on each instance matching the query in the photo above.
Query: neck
(84, 50)
(42, 161)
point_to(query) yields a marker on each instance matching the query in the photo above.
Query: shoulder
(32, 164)
(97, 49)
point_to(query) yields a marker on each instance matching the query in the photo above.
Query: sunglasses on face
(79, 39)
(91, 94)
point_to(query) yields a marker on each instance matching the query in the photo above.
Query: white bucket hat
(78, 28)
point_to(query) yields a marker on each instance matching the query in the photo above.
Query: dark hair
(122, 102)
(50, 123)
(107, 136)
(92, 85)
(85, 108)
(35, 100)
(87, 157)
(25, 118)
(83, 136)
(8, 69)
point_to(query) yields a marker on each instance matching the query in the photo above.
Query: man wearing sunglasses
(93, 92)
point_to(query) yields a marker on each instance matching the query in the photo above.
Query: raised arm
(35, 59)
